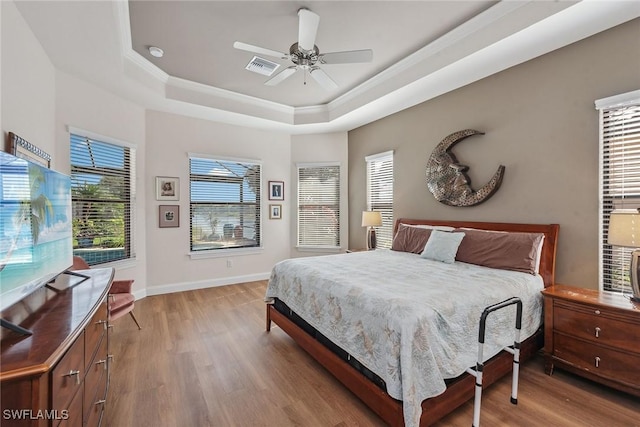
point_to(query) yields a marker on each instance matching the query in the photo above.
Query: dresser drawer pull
(103, 362)
(597, 311)
(598, 332)
(597, 362)
(72, 373)
(103, 323)
(100, 402)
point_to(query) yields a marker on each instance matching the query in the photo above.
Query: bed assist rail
(514, 349)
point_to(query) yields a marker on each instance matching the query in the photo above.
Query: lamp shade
(624, 228)
(371, 219)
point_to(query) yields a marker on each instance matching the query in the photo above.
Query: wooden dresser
(593, 334)
(59, 375)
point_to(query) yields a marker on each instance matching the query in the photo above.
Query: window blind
(319, 205)
(224, 204)
(619, 186)
(380, 194)
(102, 194)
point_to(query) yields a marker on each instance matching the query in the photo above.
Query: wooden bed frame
(458, 390)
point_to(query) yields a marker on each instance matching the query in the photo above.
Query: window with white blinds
(224, 203)
(319, 205)
(380, 194)
(102, 195)
(619, 181)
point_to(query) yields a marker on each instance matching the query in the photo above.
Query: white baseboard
(190, 286)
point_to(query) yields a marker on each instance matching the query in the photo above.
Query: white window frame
(608, 255)
(234, 251)
(130, 260)
(384, 233)
(330, 248)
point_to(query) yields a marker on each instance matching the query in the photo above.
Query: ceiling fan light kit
(305, 55)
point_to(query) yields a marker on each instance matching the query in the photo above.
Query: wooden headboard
(548, 257)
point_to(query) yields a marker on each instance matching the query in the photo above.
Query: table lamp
(624, 230)
(371, 219)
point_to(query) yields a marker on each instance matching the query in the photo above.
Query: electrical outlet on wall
(229, 263)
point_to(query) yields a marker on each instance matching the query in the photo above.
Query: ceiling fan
(306, 56)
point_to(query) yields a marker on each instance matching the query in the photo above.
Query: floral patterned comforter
(412, 321)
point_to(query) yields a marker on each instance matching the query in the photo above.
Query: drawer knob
(597, 362)
(597, 311)
(73, 373)
(598, 332)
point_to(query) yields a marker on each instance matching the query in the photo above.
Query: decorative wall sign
(169, 216)
(447, 180)
(26, 150)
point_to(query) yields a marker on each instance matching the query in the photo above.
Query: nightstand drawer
(615, 365)
(596, 324)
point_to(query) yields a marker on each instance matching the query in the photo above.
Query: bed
(399, 328)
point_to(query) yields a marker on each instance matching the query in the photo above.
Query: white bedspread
(412, 321)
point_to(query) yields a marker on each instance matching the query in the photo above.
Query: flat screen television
(36, 242)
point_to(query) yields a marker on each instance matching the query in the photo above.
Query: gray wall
(540, 122)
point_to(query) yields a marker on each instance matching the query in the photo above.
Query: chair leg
(134, 319)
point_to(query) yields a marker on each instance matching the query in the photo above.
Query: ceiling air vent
(261, 66)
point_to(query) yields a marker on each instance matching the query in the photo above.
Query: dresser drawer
(95, 373)
(596, 324)
(94, 409)
(66, 377)
(74, 413)
(616, 365)
(94, 332)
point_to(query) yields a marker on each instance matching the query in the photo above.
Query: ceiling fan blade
(287, 72)
(346, 57)
(260, 50)
(323, 78)
(308, 27)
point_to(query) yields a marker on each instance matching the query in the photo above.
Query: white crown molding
(417, 78)
(467, 29)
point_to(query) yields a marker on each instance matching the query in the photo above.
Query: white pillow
(442, 246)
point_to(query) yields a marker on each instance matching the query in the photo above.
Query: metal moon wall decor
(447, 180)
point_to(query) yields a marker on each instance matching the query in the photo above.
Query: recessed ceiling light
(156, 51)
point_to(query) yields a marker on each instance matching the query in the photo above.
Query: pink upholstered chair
(121, 299)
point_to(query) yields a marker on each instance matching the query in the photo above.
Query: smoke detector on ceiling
(156, 51)
(262, 66)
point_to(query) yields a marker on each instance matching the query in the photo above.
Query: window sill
(225, 253)
(328, 249)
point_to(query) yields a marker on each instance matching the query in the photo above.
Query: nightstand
(593, 334)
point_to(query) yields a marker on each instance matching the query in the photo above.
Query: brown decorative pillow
(496, 249)
(410, 239)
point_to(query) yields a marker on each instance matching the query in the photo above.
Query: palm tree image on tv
(36, 212)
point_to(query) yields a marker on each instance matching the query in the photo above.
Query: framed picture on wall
(169, 216)
(276, 190)
(167, 188)
(275, 211)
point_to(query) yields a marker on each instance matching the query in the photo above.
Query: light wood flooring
(203, 358)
